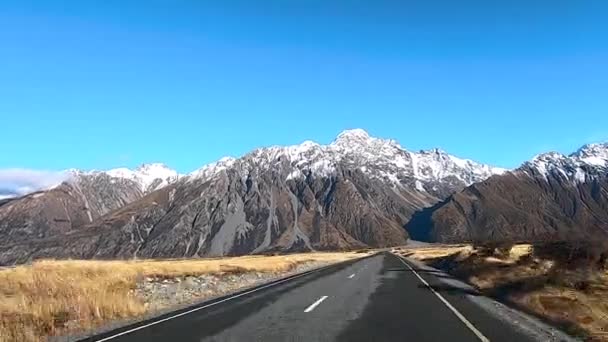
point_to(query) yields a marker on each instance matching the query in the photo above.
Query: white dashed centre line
(315, 304)
(351, 276)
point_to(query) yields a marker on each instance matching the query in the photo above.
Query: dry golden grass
(432, 252)
(38, 300)
(538, 286)
(464, 251)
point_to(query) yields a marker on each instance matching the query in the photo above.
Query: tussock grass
(550, 281)
(52, 297)
(431, 252)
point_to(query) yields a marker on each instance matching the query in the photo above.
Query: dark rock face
(526, 205)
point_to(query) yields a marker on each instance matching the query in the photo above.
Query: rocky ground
(159, 294)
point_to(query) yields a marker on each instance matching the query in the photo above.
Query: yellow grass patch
(39, 299)
(432, 252)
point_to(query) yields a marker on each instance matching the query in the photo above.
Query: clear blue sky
(101, 84)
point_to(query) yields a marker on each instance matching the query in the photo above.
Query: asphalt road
(380, 298)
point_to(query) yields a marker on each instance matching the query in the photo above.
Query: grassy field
(51, 297)
(560, 284)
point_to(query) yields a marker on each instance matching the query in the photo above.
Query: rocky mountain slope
(357, 191)
(79, 200)
(552, 196)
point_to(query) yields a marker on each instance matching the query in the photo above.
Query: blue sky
(102, 84)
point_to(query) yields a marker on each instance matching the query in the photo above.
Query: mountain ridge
(79, 199)
(425, 166)
(552, 196)
(357, 191)
(149, 176)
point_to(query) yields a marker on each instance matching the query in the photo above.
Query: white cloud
(18, 182)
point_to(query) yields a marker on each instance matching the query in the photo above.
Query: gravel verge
(158, 294)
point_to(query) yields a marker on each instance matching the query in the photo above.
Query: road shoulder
(520, 321)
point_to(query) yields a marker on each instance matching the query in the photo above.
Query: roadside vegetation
(53, 297)
(563, 283)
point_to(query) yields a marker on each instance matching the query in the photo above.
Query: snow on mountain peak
(149, 177)
(435, 164)
(226, 160)
(378, 158)
(548, 157)
(436, 151)
(353, 137)
(153, 167)
(209, 170)
(356, 133)
(593, 154)
(587, 162)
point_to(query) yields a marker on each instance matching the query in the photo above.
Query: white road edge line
(315, 304)
(351, 276)
(453, 309)
(212, 304)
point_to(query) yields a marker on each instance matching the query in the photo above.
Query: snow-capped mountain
(81, 198)
(589, 161)
(149, 177)
(210, 170)
(433, 171)
(552, 196)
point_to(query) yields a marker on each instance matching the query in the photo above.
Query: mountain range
(357, 191)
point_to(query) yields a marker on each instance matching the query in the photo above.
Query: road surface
(380, 298)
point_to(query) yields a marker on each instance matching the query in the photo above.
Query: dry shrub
(500, 249)
(575, 254)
